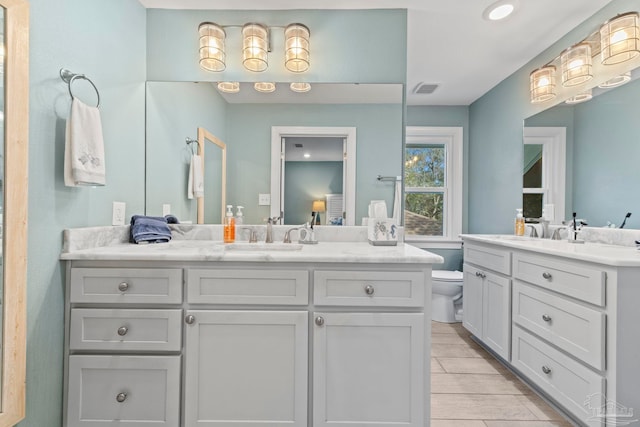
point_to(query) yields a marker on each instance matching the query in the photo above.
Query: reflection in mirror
(2, 59)
(532, 200)
(212, 146)
(602, 172)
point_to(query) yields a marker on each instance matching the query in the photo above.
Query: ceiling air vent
(425, 88)
(298, 145)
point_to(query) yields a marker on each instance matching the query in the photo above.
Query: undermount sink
(262, 246)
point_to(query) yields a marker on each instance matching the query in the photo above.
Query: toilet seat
(447, 275)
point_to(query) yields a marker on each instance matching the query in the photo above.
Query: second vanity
(564, 316)
(191, 333)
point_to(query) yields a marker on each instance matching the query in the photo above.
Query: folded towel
(195, 186)
(84, 146)
(151, 229)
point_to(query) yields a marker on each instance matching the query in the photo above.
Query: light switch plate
(264, 199)
(118, 213)
(166, 209)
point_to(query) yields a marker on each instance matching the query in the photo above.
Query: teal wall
(305, 182)
(365, 46)
(495, 135)
(175, 110)
(378, 141)
(106, 41)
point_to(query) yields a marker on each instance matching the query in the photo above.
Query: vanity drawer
(573, 327)
(566, 381)
(126, 285)
(125, 330)
(574, 279)
(128, 391)
(491, 258)
(281, 287)
(369, 288)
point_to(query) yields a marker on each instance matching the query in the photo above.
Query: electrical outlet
(264, 199)
(166, 209)
(118, 213)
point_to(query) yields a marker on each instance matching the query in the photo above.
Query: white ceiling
(449, 43)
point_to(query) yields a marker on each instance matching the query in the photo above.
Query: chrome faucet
(287, 234)
(253, 235)
(270, 222)
(533, 232)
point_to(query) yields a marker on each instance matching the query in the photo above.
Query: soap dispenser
(239, 215)
(519, 226)
(229, 226)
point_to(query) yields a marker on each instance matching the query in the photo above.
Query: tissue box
(382, 232)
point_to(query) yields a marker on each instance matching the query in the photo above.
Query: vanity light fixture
(229, 87)
(575, 63)
(296, 50)
(616, 81)
(543, 84)
(581, 97)
(620, 39)
(300, 87)
(264, 87)
(212, 54)
(255, 47)
(499, 10)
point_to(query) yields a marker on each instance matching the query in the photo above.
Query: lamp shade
(255, 47)
(318, 206)
(620, 39)
(212, 54)
(616, 81)
(543, 84)
(300, 87)
(229, 87)
(581, 97)
(265, 87)
(296, 51)
(576, 64)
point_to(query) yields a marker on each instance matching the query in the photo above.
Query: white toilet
(446, 296)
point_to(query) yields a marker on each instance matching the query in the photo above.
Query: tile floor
(469, 388)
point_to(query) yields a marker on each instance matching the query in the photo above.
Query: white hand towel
(190, 179)
(397, 200)
(84, 162)
(195, 186)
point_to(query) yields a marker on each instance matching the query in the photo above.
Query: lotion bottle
(519, 225)
(239, 215)
(229, 226)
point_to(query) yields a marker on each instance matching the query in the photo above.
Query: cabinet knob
(121, 397)
(190, 319)
(369, 290)
(546, 275)
(478, 274)
(546, 318)
(123, 287)
(319, 320)
(122, 331)
(546, 369)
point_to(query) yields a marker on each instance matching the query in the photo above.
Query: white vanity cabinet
(487, 296)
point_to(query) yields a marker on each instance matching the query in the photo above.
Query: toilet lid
(447, 275)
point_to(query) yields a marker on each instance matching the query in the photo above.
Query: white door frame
(349, 184)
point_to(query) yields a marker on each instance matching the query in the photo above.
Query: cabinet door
(496, 314)
(369, 369)
(246, 368)
(472, 300)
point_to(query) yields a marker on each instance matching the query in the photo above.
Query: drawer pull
(319, 320)
(122, 331)
(369, 290)
(480, 274)
(121, 397)
(546, 318)
(546, 369)
(190, 319)
(123, 287)
(546, 275)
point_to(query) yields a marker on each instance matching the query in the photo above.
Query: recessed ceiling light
(499, 10)
(307, 155)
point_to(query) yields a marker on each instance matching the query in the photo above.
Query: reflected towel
(397, 201)
(84, 146)
(195, 184)
(151, 229)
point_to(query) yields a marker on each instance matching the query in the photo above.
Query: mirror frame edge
(15, 212)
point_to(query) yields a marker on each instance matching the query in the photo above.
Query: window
(433, 184)
(543, 173)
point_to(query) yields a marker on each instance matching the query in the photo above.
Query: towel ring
(69, 77)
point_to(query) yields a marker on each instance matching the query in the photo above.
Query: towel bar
(68, 77)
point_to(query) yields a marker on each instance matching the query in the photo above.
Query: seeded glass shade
(255, 46)
(543, 84)
(300, 87)
(581, 97)
(229, 87)
(616, 81)
(296, 42)
(576, 64)
(619, 39)
(212, 55)
(265, 87)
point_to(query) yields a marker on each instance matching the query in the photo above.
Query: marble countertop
(614, 255)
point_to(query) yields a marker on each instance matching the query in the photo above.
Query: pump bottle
(239, 215)
(519, 225)
(229, 226)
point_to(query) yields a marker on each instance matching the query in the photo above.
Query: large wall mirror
(245, 120)
(14, 122)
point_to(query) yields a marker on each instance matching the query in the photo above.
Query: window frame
(452, 138)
